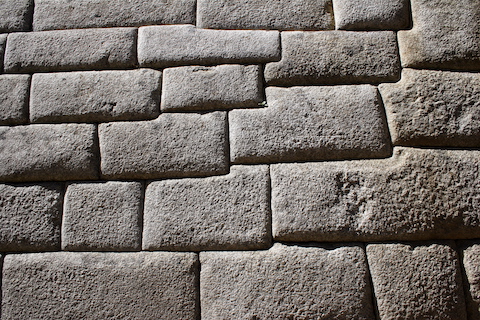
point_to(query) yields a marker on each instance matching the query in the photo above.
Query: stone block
(471, 264)
(15, 15)
(311, 123)
(98, 285)
(434, 108)
(229, 212)
(3, 42)
(286, 282)
(335, 57)
(14, 93)
(168, 46)
(95, 96)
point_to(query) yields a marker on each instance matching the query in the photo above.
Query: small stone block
(15, 15)
(471, 264)
(3, 42)
(14, 93)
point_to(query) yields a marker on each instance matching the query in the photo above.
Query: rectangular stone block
(3, 42)
(14, 93)
(95, 96)
(15, 15)
(167, 46)
(67, 285)
(471, 263)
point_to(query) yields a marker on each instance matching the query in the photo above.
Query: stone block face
(286, 282)
(434, 108)
(311, 123)
(15, 15)
(417, 281)
(471, 264)
(67, 50)
(67, 285)
(229, 212)
(94, 96)
(167, 46)
(14, 92)
(48, 152)
(335, 57)
(102, 216)
(173, 145)
(3, 42)
(209, 88)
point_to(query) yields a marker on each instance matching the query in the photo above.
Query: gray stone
(417, 281)
(335, 57)
(88, 285)
(30, 216)
(311, 123)
(471, 263)
(167, 46)
(67, 50)
(434, 108)
(286, 282)
(14, 92)
(3, 42)
(94, 96)
(210, 88)
(102, 216)
(173, 145)
(15, 15)
(229, 212)
(416, 195)
(48, 152)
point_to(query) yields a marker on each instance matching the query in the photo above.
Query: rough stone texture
(75, 14)
(102, 216)
(48, 152)
(167, 46)
(210, 88)
(286, 282)
(471, 263)
(14, 92)
(445, 35)
(214, 213)
(67, 50)
(3, 42)
(15, 15)
(434, 108)
(311, 123)
(173, 145)
(94, 96)
(417, 281)
(30, 216)
(416, 195)
(66, 285)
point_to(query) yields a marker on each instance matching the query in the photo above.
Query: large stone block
(471, 264)
(66, 285)
(14, 93)
(15, 15)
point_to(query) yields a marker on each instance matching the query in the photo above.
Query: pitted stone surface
(3, 42)
(229, 212)
(471, 263)
(95, 96)
(335, 57)
(66, 285)
(14, 92)
(286, 282)
(434, 108)
(417, 281)
(311, 123)
(15, 15)
(418, 194)
(167, 46)
(210, 88)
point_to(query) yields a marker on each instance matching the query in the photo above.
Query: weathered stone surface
(418, 194)
(3, 42)
(434, 108)
(15, 15)
(94, 96)
(417, 281)
(167, 46)
(216, 213)
(210, 88)
(30, 216)
(67, 50)
(173, 145)
(14, 92)
(335, 57)
(48, 152)
(66, 285)
(311, 123)
(102, 216)
(75, 14)
(471, 263)
(286, 282)
(445, 35)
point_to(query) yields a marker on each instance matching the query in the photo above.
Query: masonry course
(14, 93)
(15, 15)
(470, 251)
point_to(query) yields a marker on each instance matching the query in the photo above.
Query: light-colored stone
(286, 282)
(66, 285)
(416, 195)
(417, 281)
(173, 145)
(434, 108)
(335, 57)
(229, 212)
(3, 42)
(94, 96)
(471, 263)
(167, 46)
(14, 92)
(210, 88)
(15, 15)
(311, 123)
